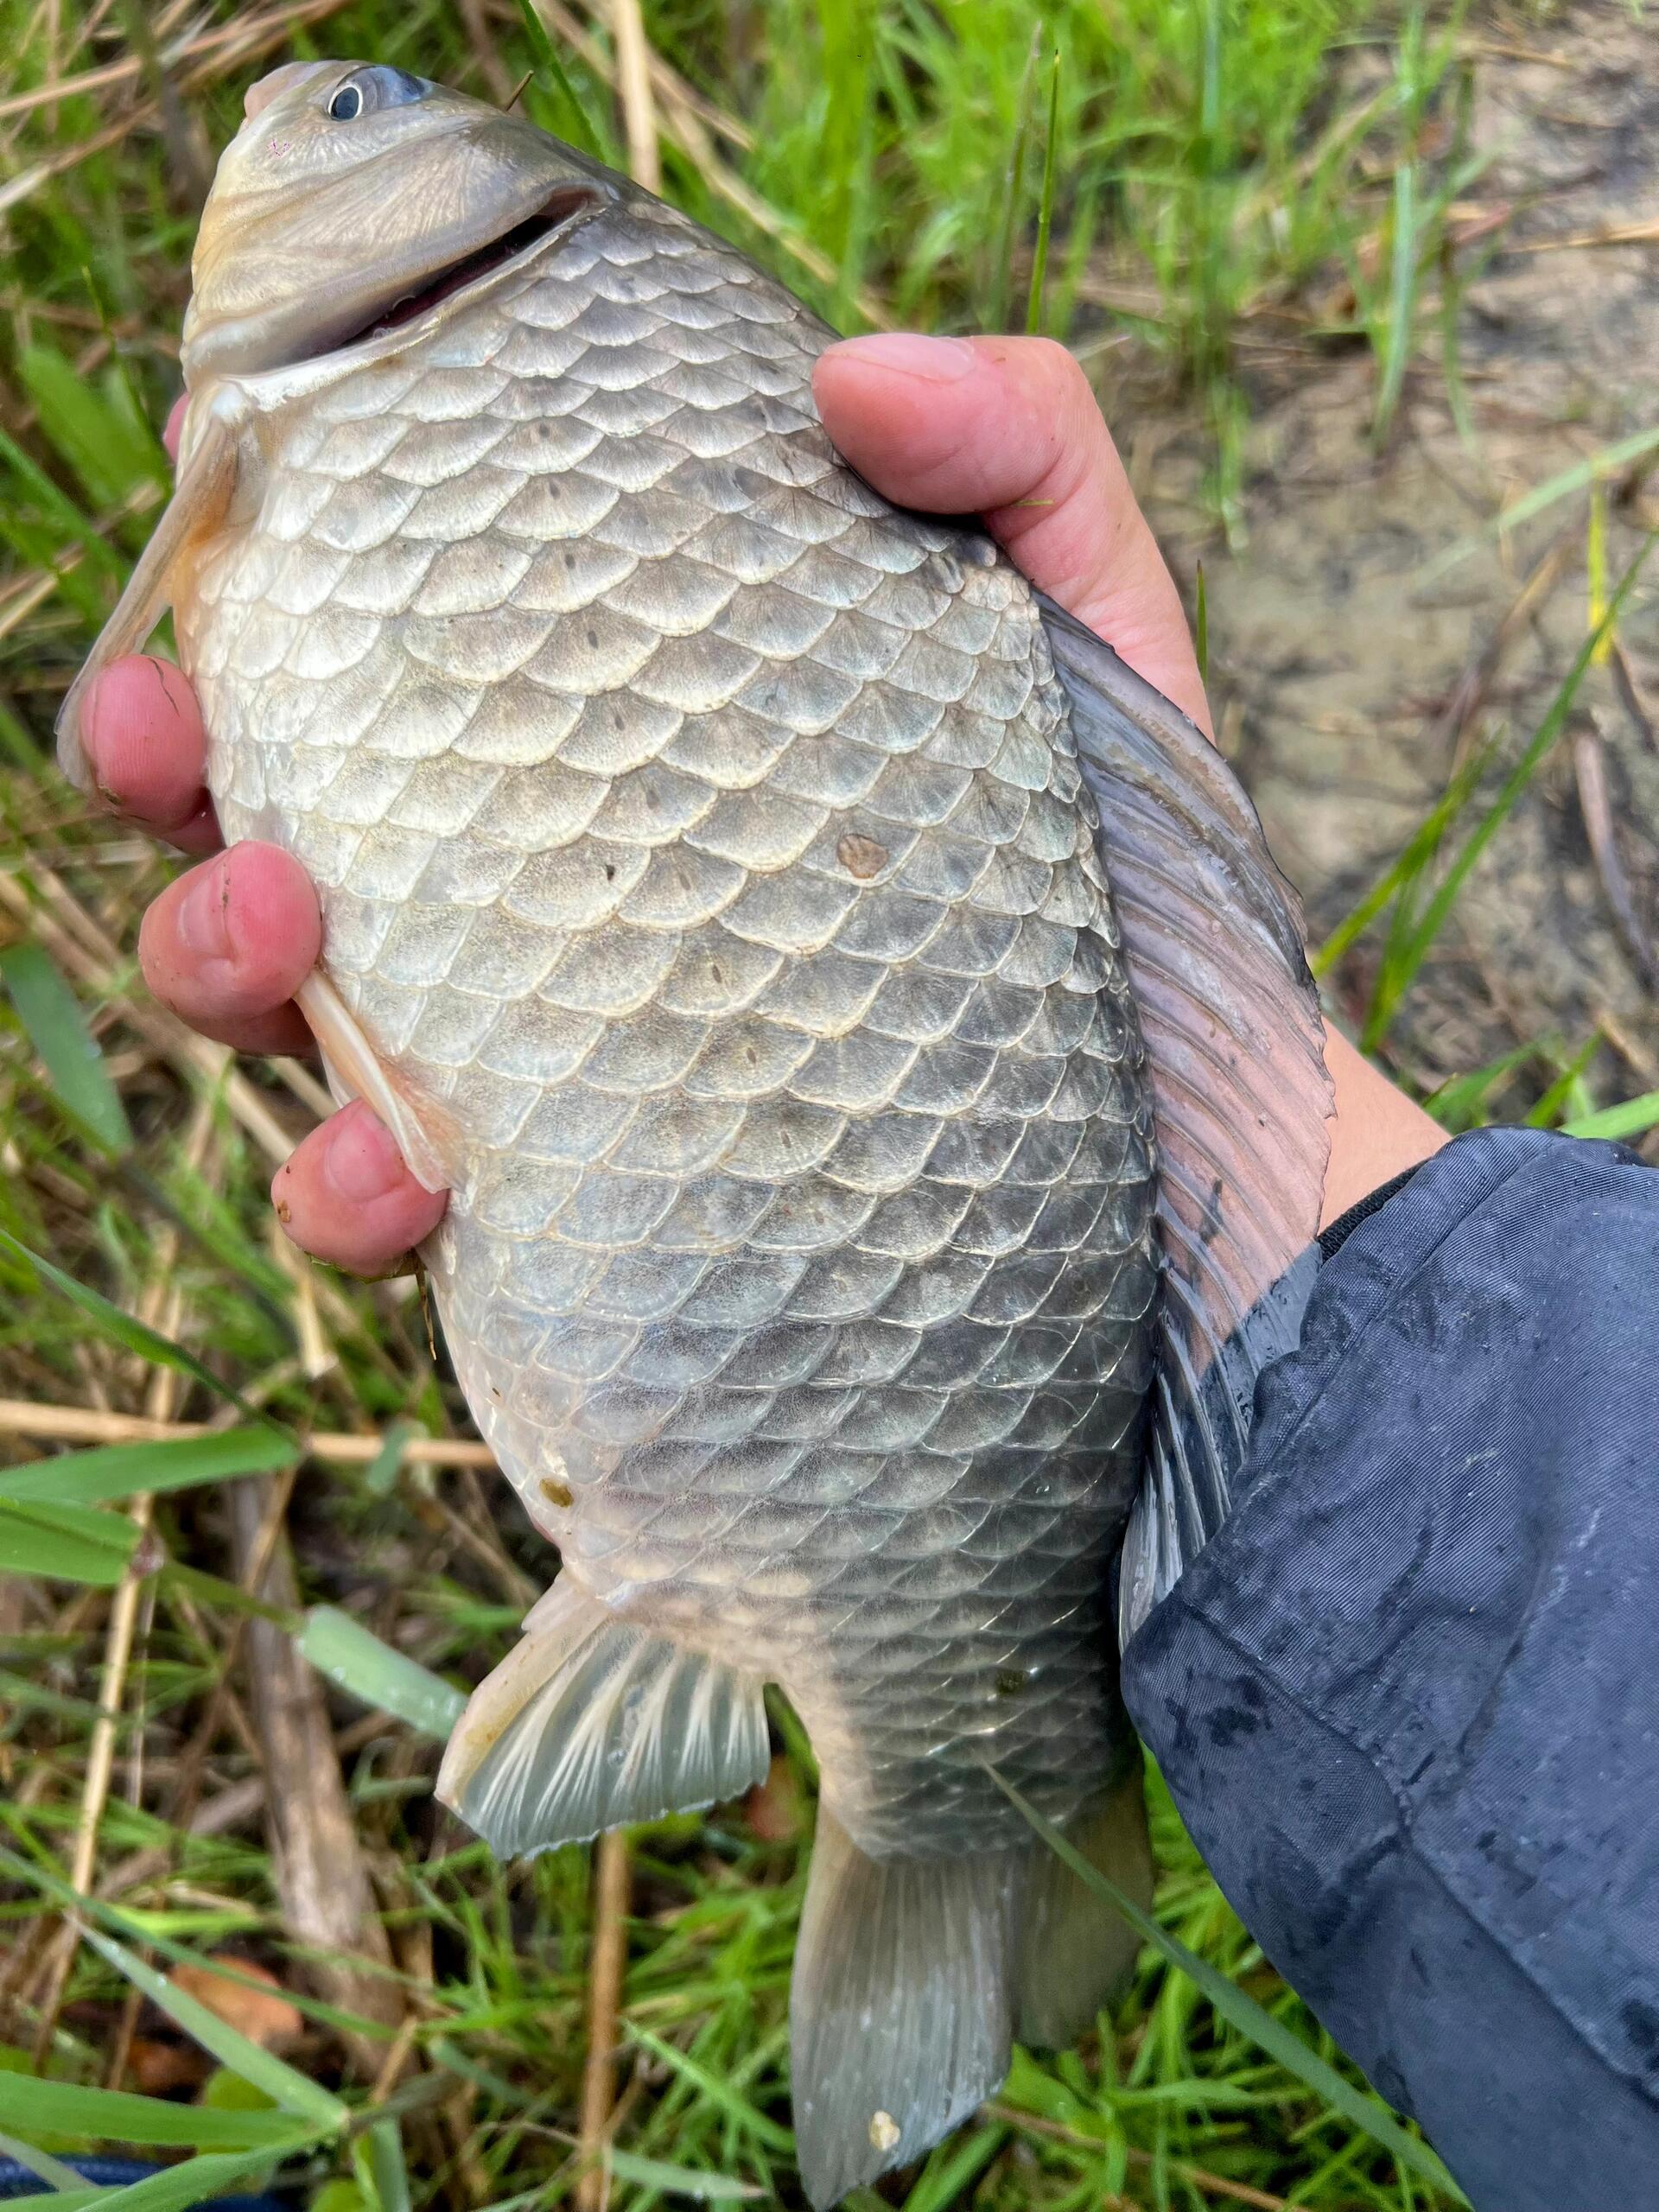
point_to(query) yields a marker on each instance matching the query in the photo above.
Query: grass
(1137, 172)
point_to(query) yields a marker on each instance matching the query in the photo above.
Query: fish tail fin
(1076, 1951)
(901, 2006)
(591, 1722)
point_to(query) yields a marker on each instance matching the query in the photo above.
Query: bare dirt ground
(1348, 678)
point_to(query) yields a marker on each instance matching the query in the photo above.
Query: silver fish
(865, 1039)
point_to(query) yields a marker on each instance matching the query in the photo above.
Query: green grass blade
(1367, 2114)
(133, 1335)
(282, 2084)
(1201, 630)
(550, 63)
(51, 1013)
(109, 450)
(681, 2181)
(1002, 274)
(1583, 473)
(175, 2189)
(377, 2160)
(66, 1543)
(953, 2169)
(122, 1470)
(1035, 317)
(63, 2182)
(349, 1654)
(1630, 1119)
(1398, 975)
(117, 2116)
(717, 2092)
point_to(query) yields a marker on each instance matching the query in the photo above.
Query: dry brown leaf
(264, 2016)
(155, 2068)
(773, 1807)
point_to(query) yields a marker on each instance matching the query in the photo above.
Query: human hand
(1006, 427)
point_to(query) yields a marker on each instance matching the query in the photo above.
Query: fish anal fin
(425, 1133)
(590, 1723)
(197, 506)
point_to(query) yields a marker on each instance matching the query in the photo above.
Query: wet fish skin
(702, 838)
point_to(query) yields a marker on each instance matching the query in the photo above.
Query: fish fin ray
(199, 499)
(355, 1071)
(591, 1722)
(1076, 1951)
(1236, 1051)
(900, 2008)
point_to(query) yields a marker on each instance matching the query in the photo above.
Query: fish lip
(407, 314)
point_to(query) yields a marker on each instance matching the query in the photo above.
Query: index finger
(1009, 429)
(143, 734)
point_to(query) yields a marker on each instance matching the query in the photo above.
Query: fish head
(356, 197)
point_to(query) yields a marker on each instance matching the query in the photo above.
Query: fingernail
(362, 1162)
(931, 361)
(203, 923)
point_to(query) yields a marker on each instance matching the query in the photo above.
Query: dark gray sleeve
(1408, 1700)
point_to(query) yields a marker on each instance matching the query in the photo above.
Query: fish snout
(260, 95)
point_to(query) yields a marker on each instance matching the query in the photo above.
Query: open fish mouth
(562, 212)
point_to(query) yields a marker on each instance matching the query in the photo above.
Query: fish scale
(707, 837)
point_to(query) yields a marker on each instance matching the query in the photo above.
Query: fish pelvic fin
(1076, 1953)
(591, 1722)
(901, 2006)
(1213, 935)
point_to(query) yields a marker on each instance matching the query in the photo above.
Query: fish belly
(704, 853)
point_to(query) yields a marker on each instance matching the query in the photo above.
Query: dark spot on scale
(1009, 1682)
(860, 856)
(610, 871)
(1210, 1227)
(592, 638)
(556, 1493)
(570, 558)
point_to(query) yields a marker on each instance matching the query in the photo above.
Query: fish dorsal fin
(1212, 934)
(197, 506)
(591, 1722)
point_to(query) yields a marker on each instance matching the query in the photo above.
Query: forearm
(1377, 1132)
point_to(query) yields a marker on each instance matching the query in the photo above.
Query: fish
(863, 1034)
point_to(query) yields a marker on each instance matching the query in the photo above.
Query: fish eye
(371, 90)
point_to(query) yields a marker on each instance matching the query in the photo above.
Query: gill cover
(350, 187)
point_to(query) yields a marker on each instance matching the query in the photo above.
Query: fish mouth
(560, 213)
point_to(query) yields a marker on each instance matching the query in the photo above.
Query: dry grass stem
(634, 89)
(49, 1423)
(327, 1904)
(607, 1962)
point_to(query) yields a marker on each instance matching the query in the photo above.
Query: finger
(142, 731)
(228, 945)
(346, 1196)
(1009, 428)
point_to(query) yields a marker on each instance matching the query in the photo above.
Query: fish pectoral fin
(590, 1723)
(199, 501)
(1212, 935)
(354, 1071)
(901, 2007)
